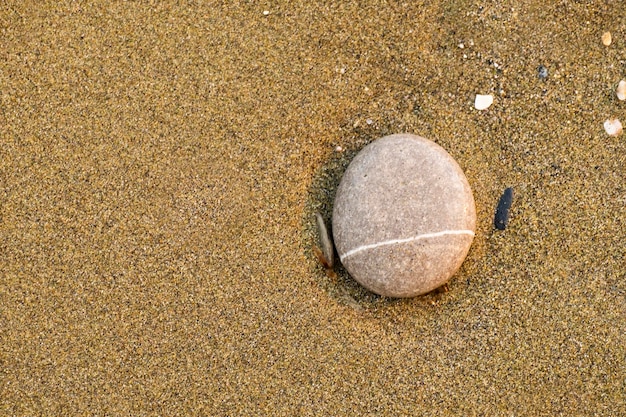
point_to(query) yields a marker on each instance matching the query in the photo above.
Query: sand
(160, 165)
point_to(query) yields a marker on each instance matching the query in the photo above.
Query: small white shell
(620, 91)
(483, 102)
(613, 127)
(606, 38)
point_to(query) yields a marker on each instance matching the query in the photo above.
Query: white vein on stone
(410, 239)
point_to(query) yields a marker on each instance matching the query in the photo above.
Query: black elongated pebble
(502, 211)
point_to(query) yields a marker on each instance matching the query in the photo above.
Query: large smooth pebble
(404, 216)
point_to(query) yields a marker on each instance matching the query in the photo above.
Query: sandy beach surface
(161, 164)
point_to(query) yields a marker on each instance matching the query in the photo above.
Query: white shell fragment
(483, 102)
(613, 127)
(620, 91)
(606, 38)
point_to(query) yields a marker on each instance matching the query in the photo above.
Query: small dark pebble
(542, 72)
(502, 211)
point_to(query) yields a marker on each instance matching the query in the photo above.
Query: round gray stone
(404, 216)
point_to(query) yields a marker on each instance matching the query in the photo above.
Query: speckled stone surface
(404, 216)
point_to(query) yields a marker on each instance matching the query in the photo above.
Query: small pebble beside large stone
(325, 242)
(404, 216)
(501, 219)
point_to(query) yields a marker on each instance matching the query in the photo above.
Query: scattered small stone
(542, 72)
(482, 102)
(404, 216)
(607, 38)
(338, 149)
(325, 242)
(501, 219)
(613, 127)
(620, 91)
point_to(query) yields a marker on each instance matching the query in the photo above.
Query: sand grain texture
(160, 165)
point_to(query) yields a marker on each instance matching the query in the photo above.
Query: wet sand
(159, 170)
